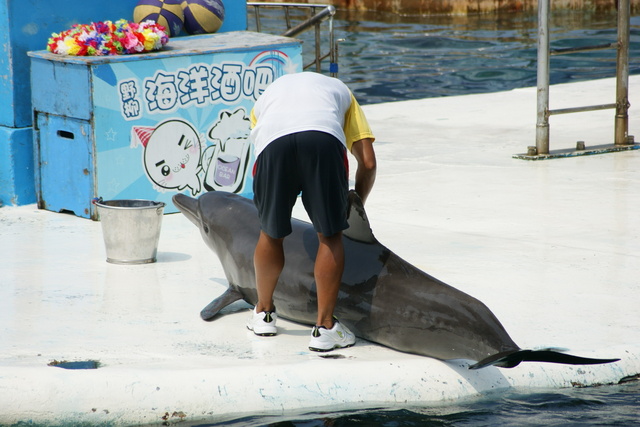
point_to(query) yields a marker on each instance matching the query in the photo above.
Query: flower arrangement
(109, 38)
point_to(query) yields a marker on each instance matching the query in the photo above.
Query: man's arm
(363, 151)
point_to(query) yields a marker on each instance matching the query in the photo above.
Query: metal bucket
(131, 229)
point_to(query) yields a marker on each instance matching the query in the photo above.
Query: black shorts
(310, 162)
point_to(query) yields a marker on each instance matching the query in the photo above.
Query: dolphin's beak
(188, 206)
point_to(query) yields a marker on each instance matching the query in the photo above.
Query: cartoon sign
(181, 123)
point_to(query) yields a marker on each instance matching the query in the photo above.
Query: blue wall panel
(16, 166)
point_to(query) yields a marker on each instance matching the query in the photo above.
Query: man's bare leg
(328, 271)
(268, 261)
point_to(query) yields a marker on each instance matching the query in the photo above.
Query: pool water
(385, 57)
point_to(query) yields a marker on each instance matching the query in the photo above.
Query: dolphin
(382, 298)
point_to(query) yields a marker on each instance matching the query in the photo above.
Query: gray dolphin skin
(382, 298)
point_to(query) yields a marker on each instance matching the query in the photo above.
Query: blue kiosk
(76, 128)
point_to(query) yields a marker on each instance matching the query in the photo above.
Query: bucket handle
(96, 200)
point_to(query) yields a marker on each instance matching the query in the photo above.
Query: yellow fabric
(254, 121)
(356, 126)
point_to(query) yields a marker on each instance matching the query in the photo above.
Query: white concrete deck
(552, 247)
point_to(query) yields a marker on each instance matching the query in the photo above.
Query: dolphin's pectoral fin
(231, 295)
(510, 359)
(359, 228)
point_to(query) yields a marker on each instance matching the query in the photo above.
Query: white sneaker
(263, 323)
(323, 339)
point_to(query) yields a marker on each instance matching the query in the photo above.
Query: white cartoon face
(172, 156)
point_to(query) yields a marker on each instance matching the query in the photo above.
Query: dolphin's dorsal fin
(229, 296)
(359, 228)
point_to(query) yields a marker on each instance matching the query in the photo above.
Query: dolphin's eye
(206, 229)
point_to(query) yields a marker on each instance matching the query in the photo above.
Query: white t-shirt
(303, 102)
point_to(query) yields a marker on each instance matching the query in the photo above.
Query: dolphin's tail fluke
(510, 359)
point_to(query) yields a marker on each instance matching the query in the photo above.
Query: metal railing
(313, 15)
(621, 105)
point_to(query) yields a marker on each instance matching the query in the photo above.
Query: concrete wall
(26, 25)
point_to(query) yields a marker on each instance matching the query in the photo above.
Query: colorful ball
(167, 13)
(203, 16)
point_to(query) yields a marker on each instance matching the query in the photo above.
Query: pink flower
(130, 41)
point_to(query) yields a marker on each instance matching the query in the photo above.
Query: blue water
(388, 58)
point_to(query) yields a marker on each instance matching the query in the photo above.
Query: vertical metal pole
(256, 10)
(622, 74)
(542, 122)
(318, 48)
(333, 51)
(287, 17)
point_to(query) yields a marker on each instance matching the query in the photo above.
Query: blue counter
(152, 125)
